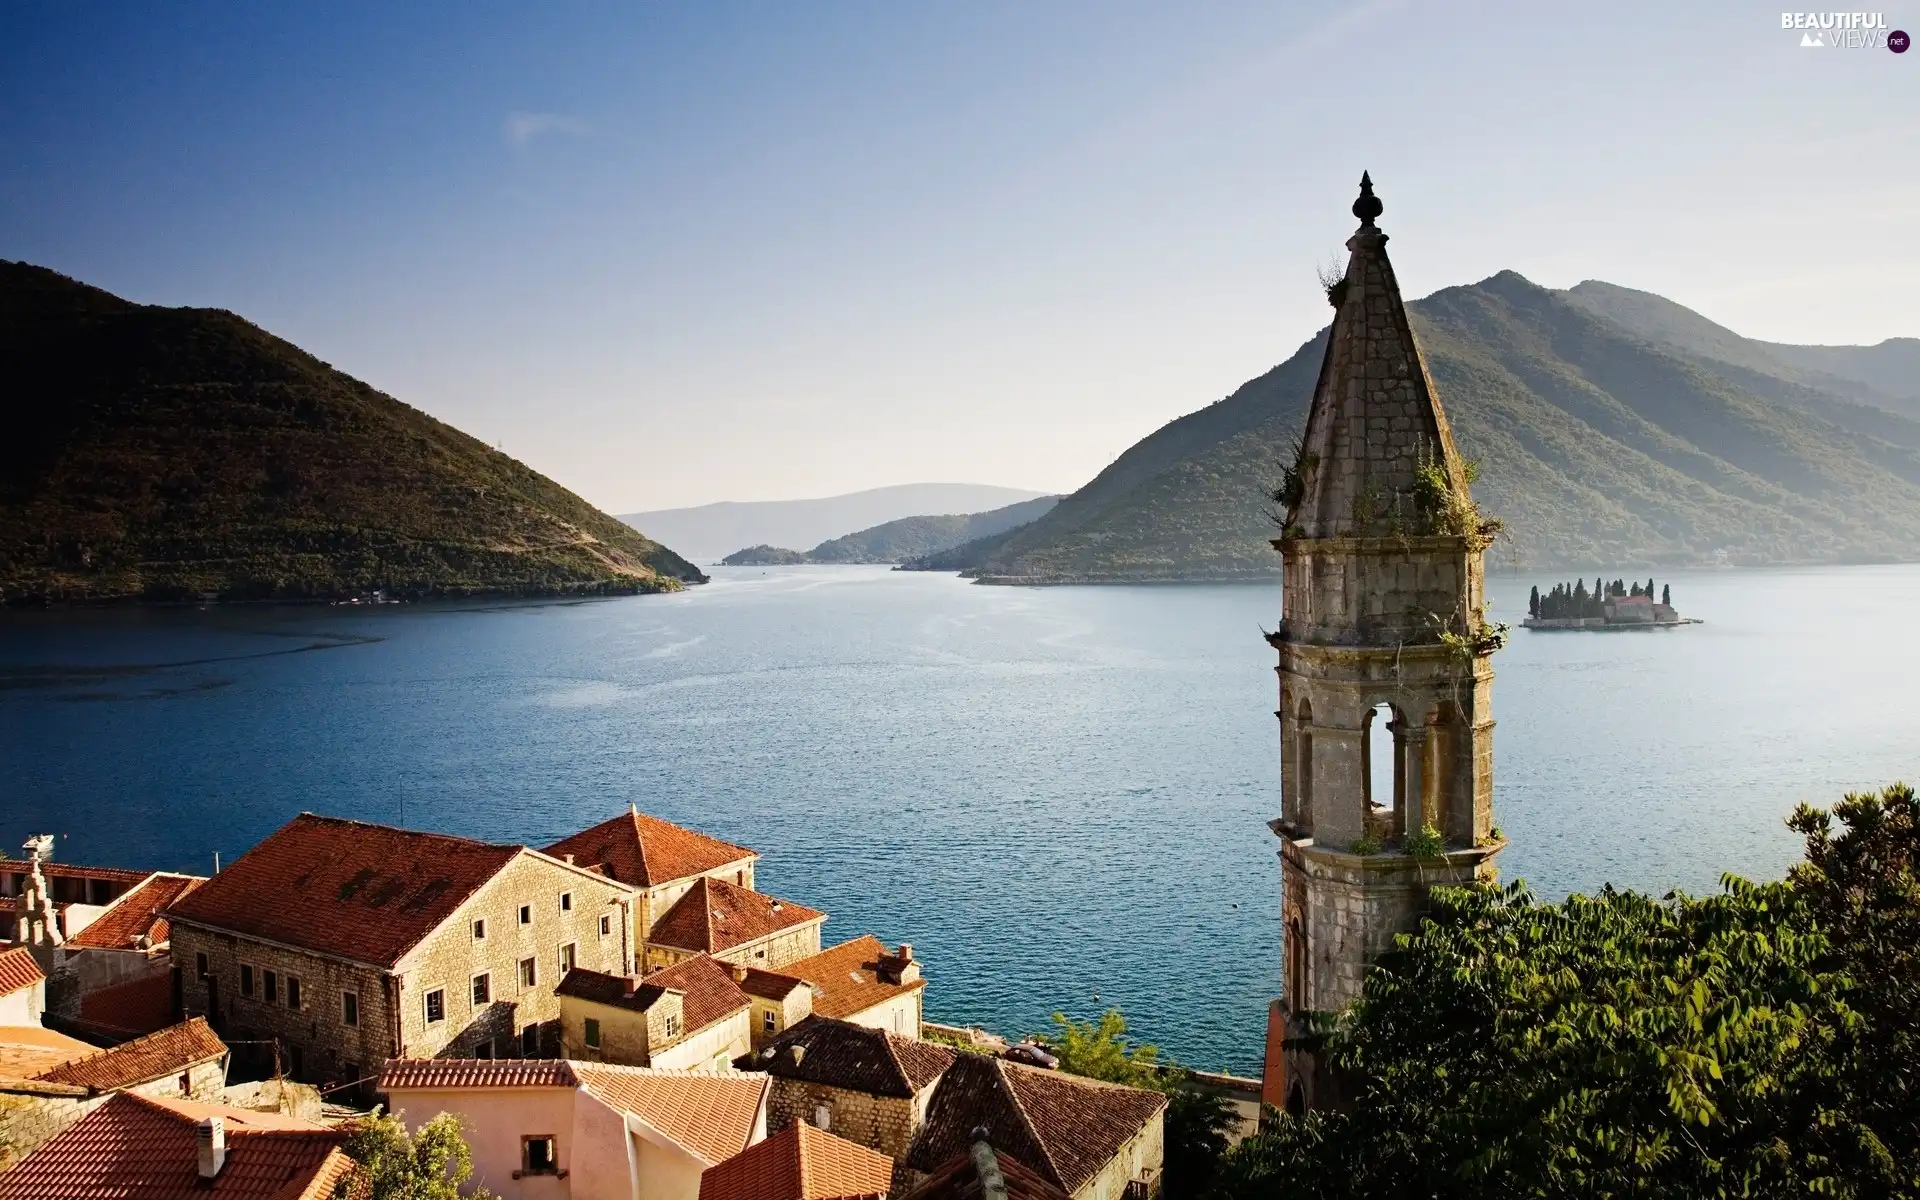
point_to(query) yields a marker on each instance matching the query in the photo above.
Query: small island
(1615, 605)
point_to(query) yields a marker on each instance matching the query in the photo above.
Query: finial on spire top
(1368, 206)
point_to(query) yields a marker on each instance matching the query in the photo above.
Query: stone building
(114, 979)
(692, 1016)
(345, 944)
(1383, 649)
(922, 1105)
(863, 982)
(734, 924)
(658, 859)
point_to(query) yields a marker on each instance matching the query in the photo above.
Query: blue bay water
(1058, 795)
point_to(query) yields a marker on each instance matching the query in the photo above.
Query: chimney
(569, 858)
(906, 952)
(210, 1138)
(739, 974)
(796, 1052)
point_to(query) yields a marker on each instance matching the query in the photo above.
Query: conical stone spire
(1376, 419)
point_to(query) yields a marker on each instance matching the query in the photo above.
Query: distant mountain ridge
(711, 530)
(1597, 442)
(172, 453)
(899, 541)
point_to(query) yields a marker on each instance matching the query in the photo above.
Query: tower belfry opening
(1386, 726)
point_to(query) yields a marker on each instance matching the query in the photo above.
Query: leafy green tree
(429, 1165)
(1761, 1042)
(1102, 1050)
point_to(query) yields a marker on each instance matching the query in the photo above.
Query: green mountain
(908, 538)
(1595, 443)
(163, 453)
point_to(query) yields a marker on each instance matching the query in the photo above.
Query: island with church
(1616, 605)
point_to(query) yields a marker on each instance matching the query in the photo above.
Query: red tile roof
(711, 1113)
(166, 1052)
(1062, 1126)
(706, 986)
(366, 893)
(800, 1163)
(715, 916)
(129, 1009)
(852, 977)
(57, 870)
(714, 1114)
(459, 1074)
(645, 851)
(136, 914)
(769, 985)
(135, 1148)
(843, 1055)
(18, 969)
(959, 1179)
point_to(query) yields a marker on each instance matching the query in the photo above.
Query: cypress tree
(1666, 594)
(1533, 602)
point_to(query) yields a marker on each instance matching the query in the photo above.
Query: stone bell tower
(1382, 622)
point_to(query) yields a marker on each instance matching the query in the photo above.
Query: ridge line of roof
(1013, 1094)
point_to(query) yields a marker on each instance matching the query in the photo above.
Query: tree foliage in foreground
(1760, 1042)
(431, 1164)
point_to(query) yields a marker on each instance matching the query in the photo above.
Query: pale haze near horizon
(757, 252)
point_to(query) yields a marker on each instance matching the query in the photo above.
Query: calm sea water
(1058, 795)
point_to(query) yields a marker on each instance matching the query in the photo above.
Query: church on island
(1383, 622)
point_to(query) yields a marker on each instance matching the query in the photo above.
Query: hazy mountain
(1598, 447)
(173, 452)
(899, 541)
(1887, 375)
(711, 530)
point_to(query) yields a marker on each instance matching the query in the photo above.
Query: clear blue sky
(729, 251)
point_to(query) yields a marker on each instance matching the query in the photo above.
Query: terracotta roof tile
(770, 985)
(368, 893)
(712, 1113)
(959, 1179)
(127, 1010)
(706, 986)
(844, 1055)
(18, 969)
(716, 916)
(56, 870)
(645, 851)
(436, 1074)
(1062, 1126)
(27, 1050)
(852, 977)
(136, 914)
(165, 1052)
(135, 1148)
(800, 1163)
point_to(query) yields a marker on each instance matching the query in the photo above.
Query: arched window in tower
(1296, 966)
(1303, 767)
(1384, 769)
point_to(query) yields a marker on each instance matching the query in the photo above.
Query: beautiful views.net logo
(1845, 31)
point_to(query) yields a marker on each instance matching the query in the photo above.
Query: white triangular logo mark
(1811, 39)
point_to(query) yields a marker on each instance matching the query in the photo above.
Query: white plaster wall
(715, 1046)
(23, 1007)
(899, 1015)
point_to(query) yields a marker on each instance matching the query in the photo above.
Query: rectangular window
(526, 914)
(566, 901)
(593, 1033)
(529, 972)
(530, 1042)
(293, 992)
(200, 966)
(480, 929)
(246, 979)
(673, 1026)
(606, 925)
(436, 1006)
(537, 1156)
(484, 1049)
(349, 1008)
(270, 987)
(567, 957)
(769, 1023)
(482, 989)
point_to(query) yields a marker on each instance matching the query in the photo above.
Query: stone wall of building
(772, 953)
(31, 1115)
(654, 902)
(883, 1123)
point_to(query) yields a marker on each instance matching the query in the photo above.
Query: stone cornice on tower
(1376, 417)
